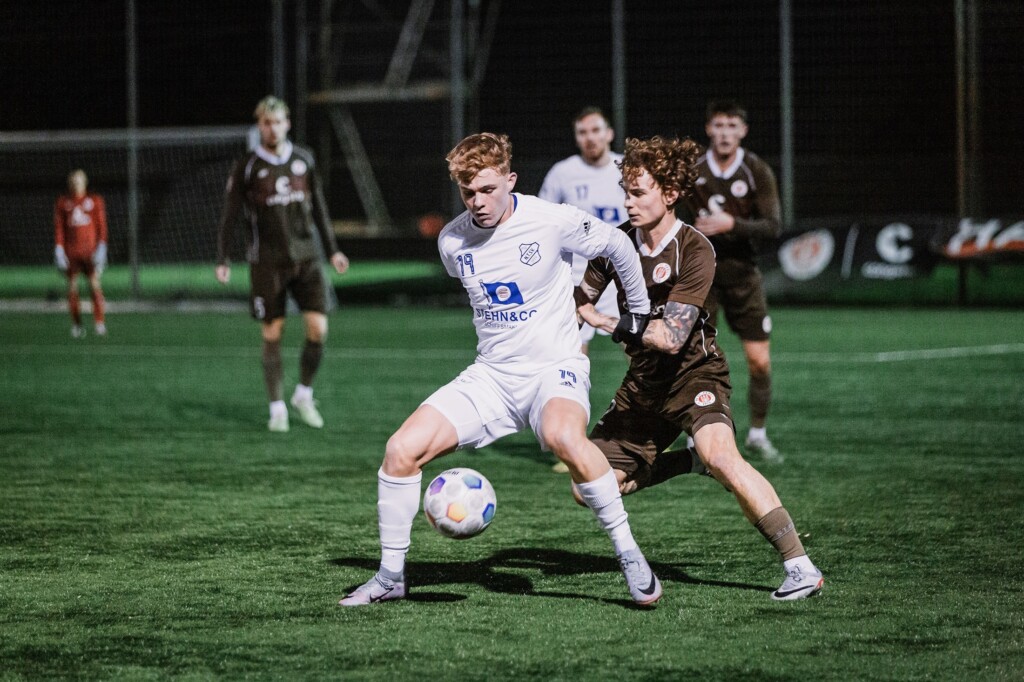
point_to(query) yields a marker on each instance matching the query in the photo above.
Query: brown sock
(273, 373)
(759, 397)
(777, 528)
(310, 362)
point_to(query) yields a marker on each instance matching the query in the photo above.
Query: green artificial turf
(153, 529)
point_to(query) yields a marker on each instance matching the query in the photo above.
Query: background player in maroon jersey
(277, 186)
(678, 378)
(736, 202)
(80, 235)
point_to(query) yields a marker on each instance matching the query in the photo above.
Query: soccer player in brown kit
(80, 247)
(277, 186)
(678, 377)
(736, 203)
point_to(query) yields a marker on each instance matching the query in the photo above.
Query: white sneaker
(644, 586)
(278, 422)
(764, 448)
(101, 329)
(799, 585)
(378, 588)
(77, 332)
(308, 412)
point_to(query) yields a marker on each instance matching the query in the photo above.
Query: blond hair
(270, 105)
(479, 152)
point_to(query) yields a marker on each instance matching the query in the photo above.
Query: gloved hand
(99, 256)
(630, 329)
(60, 258)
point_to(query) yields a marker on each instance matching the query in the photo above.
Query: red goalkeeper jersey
(79, 224)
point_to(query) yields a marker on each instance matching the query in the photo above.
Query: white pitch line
(467, 354)
(903, 355)
(122, 350)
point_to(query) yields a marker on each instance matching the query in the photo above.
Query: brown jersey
(680, 270)
(283, 202)
(746, 190)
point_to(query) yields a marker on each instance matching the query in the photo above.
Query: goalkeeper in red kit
(80, 238)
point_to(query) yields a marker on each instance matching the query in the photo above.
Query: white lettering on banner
(886, 271)
(972, 239)
(891, 243)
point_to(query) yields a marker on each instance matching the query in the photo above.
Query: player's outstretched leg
(603, 498)
(644, 586)
(803, 580)
(384, 586)
(398, 500)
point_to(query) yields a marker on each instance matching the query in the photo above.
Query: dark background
(874, 100)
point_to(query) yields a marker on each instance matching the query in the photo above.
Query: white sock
(803, 561)
(278, 407)
(398, 500)
(302, 393)
(757, 433)
(602, 496)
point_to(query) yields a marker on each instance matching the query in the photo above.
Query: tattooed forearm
(669, 334)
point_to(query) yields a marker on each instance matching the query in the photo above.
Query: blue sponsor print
(503, 293)
(609, 214)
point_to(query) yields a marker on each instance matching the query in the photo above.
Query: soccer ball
(459, 503)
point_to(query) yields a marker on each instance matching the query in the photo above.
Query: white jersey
(519, 281)
(596, 190)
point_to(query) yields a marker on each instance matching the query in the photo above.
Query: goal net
(181, 178)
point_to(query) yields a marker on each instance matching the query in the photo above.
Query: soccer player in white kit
(513, 254)
(590, 181)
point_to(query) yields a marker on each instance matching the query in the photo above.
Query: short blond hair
(479, 152)
(270, 105)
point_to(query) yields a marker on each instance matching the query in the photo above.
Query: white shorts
(485, 404)
(608, 305)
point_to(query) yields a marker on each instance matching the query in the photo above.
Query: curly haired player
(678, 378)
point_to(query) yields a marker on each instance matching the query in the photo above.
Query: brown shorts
(738, 290)
(272, 282)
(636, 429)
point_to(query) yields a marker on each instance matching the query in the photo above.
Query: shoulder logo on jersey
(299, 167)
(662, 271)
(529, 253)
(502, 293)
(704, 399)
(739, 189)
